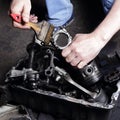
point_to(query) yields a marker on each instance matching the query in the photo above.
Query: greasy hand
(83, 49)
(23, 8)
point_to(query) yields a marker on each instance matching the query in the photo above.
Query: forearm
(110, 25)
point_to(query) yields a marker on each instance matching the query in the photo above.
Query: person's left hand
(83, 49)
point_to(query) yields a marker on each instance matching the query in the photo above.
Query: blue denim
(107, 4)
(59, 11)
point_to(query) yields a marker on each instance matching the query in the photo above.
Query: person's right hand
(23, 8)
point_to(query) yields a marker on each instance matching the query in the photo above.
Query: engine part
(69, 79)
(91, 74)
(12, 112)
(59, 82)
(50, 69)
(44, 77)
(61, 38)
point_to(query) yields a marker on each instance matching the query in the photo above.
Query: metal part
(12, 112)
(115, 95)
(60, 87)
(50, 69)
(113, 76)
(44, 77)
(30, 77)
(17, 73)
(69, 79)
(91, 74)
(61, 38)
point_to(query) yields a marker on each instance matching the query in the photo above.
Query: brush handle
(34, 26)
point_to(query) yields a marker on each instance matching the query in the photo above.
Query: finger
(82, 64)
(75, 61)
(16, 9)
(70, 57)
(16, 24)
(25, 17)
(33, 19)
(26, 13)
(66, 52)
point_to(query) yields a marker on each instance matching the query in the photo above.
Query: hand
(23, 8)
(83, 49)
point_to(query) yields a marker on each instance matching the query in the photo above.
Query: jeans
(107, 4)
(60, 11)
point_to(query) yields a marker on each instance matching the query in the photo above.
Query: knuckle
(12, 10)
(73, 46)
(67, 60)
(72, 64)
(77, 50)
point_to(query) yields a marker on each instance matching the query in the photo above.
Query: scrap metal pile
(44, 81)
